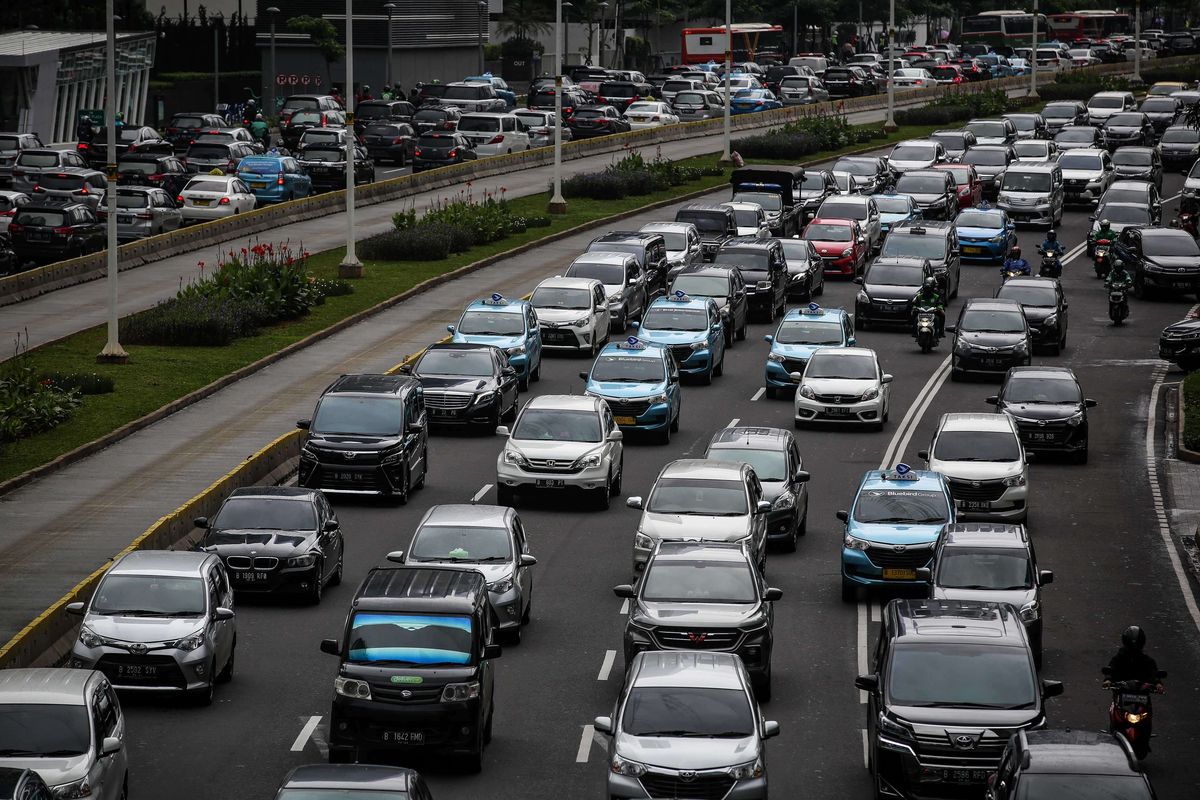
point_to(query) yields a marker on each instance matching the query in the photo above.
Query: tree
(325, 38)
(524, 19)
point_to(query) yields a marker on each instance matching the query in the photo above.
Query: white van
(816, 62)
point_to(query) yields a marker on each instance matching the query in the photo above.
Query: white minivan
(494, 134)
(985, 465)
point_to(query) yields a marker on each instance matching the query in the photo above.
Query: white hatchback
(843, 385)
(649, 114)
(209, 197)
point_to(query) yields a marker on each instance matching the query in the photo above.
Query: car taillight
(497, 139)
(416, 151)
(158, 176)
(61, 231)
(958, 78)
(15, 228)
(82, 190)
(179, 199)
(144, 215)
(18, 173)
(224, 201)
(279, 181)
(453, 152)
(172, 130)
(38, 188)
(81, 146)
(398, 140)
(656, 118)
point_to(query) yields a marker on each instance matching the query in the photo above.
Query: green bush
(957, 107)
(272, 275)
(1191, 411)
(596, 185)
(776, 144)
(489, 221)
(30, 404)
(84, 382)
(425, 242)
(195, 320)
(538, 222)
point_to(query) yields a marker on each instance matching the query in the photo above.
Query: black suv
(464, 384)
(1049, 408)
(416, 670)
(48, 233)
(1160, 259)
(990, 337)
(1179, 343)
(764, 269)
(1049, 765)
(1045, 307)
(951, 681)
(650, 249)
(935, 240)
(703, 596)
(325, 164)
(888, 288)
(723, 284)
(368, 435)
(716, 224)
(184, 127)
(149, 169)
(776, 460)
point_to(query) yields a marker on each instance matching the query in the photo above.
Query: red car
(970, 189)
(842, 244)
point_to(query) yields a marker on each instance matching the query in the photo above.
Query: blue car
(895, 209)
(998, 65)
(692, 329)
(800, 333)
(748, 101)
(640, 382)
(274, 178)
(511, 325)
(891, 528)
(985, 234)
(502, 91)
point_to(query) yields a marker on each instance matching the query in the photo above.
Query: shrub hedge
(30, 403)
(1191, 411)
(630, 175)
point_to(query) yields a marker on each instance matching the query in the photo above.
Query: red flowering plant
(271, 275)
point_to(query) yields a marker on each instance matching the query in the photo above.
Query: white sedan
(912, 78)
(737, 83)
(208, 197)
(843, 384)
(649, 114)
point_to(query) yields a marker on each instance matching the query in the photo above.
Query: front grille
(681, 352)
(794, 365)
(450, 401)
(988, 491)
(402, 695)
(684, 639)
(351, 457)
(355, 481)
(704, 786)
(557, 336)
(627, 408)
(912, 557)
(936, 750)
(130, 670)
(263, 563)
(835, 399)
(551, 465)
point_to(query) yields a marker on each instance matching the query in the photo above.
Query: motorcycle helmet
(1052, 234)
(1133, 638)
(1103, 223)
(1015, 252)
(931, 283)
(258, 116)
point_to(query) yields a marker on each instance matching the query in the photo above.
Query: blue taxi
(891, 528)
(274, 178)
(691, 328)
(511, 325)
(748, 101)
(895, 209)
(985, 234)
(801, 332)
(640, 382)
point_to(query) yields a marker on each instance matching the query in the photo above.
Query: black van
(716, 224)
(777, 190)
(416, 671)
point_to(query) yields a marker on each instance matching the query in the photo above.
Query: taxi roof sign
(496, 299)
(632, 343)
(902, 472)
(679, 296)
(813, 309)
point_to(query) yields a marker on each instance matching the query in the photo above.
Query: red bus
(1087, 25)
(702, 45)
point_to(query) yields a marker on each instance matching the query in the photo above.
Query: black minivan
(416, 671)
(716, 224)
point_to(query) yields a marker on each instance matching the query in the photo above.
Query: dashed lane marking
(610, 657)
(761, 391)
(733, 422)
(479, 495)
(624, 607)
(305, 733)
(585, 744)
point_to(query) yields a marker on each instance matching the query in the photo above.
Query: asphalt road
(1094, 525)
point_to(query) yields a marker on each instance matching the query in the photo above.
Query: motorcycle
(1188, 221)
(1100, 257)
(925, 328)
(1118, 302)
(1051, 265)
(1007, 272)
(1130, 713)
(8, 258)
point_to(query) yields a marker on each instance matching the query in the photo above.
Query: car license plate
(124, 220)
(1041, 437)
(838, 411)
(974, 505)
(249, 577)
(1141, 699)
(626, 420)
(255, 185)
(350, 476)
(403, 737)
(972, 250)
(897, 574)
(441, 412)
(137, 670)
(37, 236)
(1181, 284)
(201, 202)
(892, 309)
(549, 483)
(965, 775)
(989, 362)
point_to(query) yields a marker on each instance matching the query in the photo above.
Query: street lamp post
(795, 26)
(112, 353)
(390, 8)
(889, 124)
(1033, 55)
(350, 267)
(216, 62)
(274, 12)
(483, 6)
(1137, 41)
(726, 157)
(604, 7)
(565, 26)
(558, 204)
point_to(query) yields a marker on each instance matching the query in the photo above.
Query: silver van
(1032, 193)
(66, 725)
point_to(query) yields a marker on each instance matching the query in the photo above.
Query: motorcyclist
(1105, 231)
(1052, 244)
(1015, 263)
(930, 296)
(260, 130)
(1117, 275)
(1131, 662)
(119, 120)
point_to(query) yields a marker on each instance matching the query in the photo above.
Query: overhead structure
(704, 45)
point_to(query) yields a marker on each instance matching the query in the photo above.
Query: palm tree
(524, 19)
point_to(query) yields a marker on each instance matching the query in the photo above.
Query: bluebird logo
(903, 469)
(631, 341)
(496, 297)
(813, 307)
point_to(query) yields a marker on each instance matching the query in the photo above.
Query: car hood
(1174, 261)
(976, 470)
(887, 292)
(804, 351)
(694, 527)
(888, 219)
(671, 337)
(496, 341)
(745, 230)
(990, 140)
(1123, 129)
(458, 383)
(1184, 146)
(967, 232)
(558, 451)
(624, 389)
(492, 572)
(902, 166)
(839, 385)
(1082, 174)
(714, 615)
(935, 720)
(1018, 597)
(895, 533)
(831, 248)
(258, 542)
(54, 771)
(1192, 183)
(1131, 169)
(685, 753)
(360, 444)
(1185, 327)
(676, 255)
(988, 339)
(143, 629)
(1037, 313)
(924, 198)
(561, 315)
(989, 170)
(1048, 411)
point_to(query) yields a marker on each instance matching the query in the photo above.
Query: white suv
(984, 463)
(493, 134)
(572, 314)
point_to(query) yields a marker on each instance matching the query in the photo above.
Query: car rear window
(187, 122)
(132, 200)
(483, 124)
(220, 187)
(61, 182)
(208, 151)
(37, 160)
(436, 141)
(39, 218)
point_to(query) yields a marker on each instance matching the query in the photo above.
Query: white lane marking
(1073, 253)
(876, 612)
(733, 422)
(624, 606)
(903, 434)
(866, 763)
(1172, 197)
(585, 744)
(1164, 527)
(862, 645)
(761, 391)
(479, 495)
(305, 732)
(610, 656)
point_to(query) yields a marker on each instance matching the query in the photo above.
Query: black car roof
(708, 269)
(371, 384)
(446, 588)
(273, 491)
(355, 777)
(460, 346)
(714, 207)
(1043, 372)
(55, 207)
(625, 236)
(992, 304)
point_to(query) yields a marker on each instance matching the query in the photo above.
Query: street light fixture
(274, 13)
(558, 204)
(112, 353)
(390, 8)
(483, 7)
(350, 267)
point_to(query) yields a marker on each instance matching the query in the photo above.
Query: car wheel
(719, 369)
(675, 422)
(487, 729)
(204, 696)
(621, 322)
(1140, 291)
(740, 333)
(1081, 456)
(729, 337)
(664, 435)
(535, 375)
(789, 544)
(318, 587)
(336, 578)
(400, 497)
(772, 393)
(528, 609)
(420, 484)
(615, 488)
(474, 760)
(602, 496)
(226, 675)
(523, 383)
(818, 291)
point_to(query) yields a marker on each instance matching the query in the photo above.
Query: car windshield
(994, 568)
(843, 181)
(266, 513)
(421, 639)
(187, 122)
(352, 415)
(701, 285)
(149, 596)
(470, 92)
(1026, 295)
(1076, 135)
(921, 184)
(1132, 157)
(39, 218)
(61, 182)
(323, 153)
(1181, 135)
(841, 366)
(973, 675)
(768, 200)
(1053, 111)
(978, 219)
(713, 498)
(455, 362)
(460, 543)
(909, 506)
(857, 167)
(38, 160)
(1018, 181)
(623, 90)
(991, 129)
(430, 115)
(531, 120)
(914, 152)
(677, 86)
(705, 222)
(143, 167)
(665, 318)
(803, 331)
(558, 425)
(132, 200)
(914, 246)
(1160, 104)
(482, 124)
(699, 582)
(490, 323)
(307, 118)
(1023, 123)
(769, 465)
(796, 251)
(1170, 245)
(978, 321)
(1031, 148)
(587, 113)
(1125, 212)
(678, 711)
(746, 217)
(988, 158)
(566, 299)
(384, 130)
(628, 369)
(322, 137)
(611, 274)
(977, 445)
(893, 205)
(674, 241)
(1074, 786)
(1041, 390)
(1125, 120)
(825, 232)
(843, 210)
(895, 275)
(35, 730)
(748, 260)
(208, 151)
(813, 182)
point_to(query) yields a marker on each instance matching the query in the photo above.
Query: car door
(716, 334)
(415, 439)
(524, 574)
(874, 225)
(533, 337)
(600, 322)
(779, 274)
(104, 773)
(758, 521)
(739, 306)
(635, 279)
(334, 544)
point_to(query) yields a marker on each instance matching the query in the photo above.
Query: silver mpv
(143, 211)
(160, 620)
(687, 725)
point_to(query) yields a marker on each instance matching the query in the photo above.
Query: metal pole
(112, 352)
(482, 6)
(350, 267)
(725, 154)
(390, 8)
(558, 204)
(271, 78)
(216, 69)
(1137, 42)
(795, 27)
(889, 124)
(1033, 55)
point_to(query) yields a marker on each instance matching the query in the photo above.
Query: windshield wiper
(13, 751)
(137, 612)
(492, 558)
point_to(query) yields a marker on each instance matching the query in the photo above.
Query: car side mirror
(1089, 403)
(332, 525)
(858, 279)
(763, 507)
(636, 325)
(624, 590)
(528, 560)
(603, 724)
(951, 329)
(1051, 688)
(802, 476)
(844, 516)
(925, 574)
(1030, 458)
(110, 745)
(223, 614)
(615, 436)
(796, 376)
(502, 430)
(584, 375)
(304, 424)
(508, 372)
(770, 729)
(633, 502)
(201, 522)
(451, 328)
(415, 427)
(993, 400)
(868, 683)
(1045, 576)
(405, 369)
(886, 378)
(769, 339)
(773, 594)
(923, 455)
(396, 556)
(492, 651)
(75, 608)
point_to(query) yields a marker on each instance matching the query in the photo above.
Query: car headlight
(350, 687)
(68, 791)
(863, 297)
(622, 766)
(501, 586)
(806, 391)
(306, 560)
(661, 397)
(784, 501)
(871, 394)
(889, 727)
(393, 458)
(589, 460)
(1031, 612)
(1000, 238)
(1021, 348)
(190, 643)
(516, 351)
(854, 543)
(484, 397)
(848, 251)
(776, 357)
(308, 455)
(459, 692)
(1014, 480)
(515, 459)
(643, 542)
(1075, 419)
(89, 639)
(581, 322)
(1051, 320)
(742, 772)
